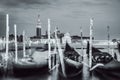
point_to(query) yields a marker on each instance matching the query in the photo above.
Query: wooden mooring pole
(85, 72)
(7, 41)
(49, 46)
(90, 46)
(16, 46)
(24, 49)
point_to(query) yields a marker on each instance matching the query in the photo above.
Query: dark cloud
(22, 3)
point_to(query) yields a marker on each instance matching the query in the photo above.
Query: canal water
(53, 75)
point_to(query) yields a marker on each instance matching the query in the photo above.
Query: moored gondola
(110, 68)
(36, 64)
(72, 64)
(110, 71)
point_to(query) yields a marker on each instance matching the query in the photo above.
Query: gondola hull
(38, 63)
(28, 68)
(72, 69)
(71, 66)
(110, 71)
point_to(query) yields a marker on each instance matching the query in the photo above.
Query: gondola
(118, 46)
(1, 66)
(110, 71)
(110, 68)
(73, 66)
(100, 57)
(37, 63)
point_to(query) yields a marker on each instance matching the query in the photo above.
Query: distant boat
(73, 67)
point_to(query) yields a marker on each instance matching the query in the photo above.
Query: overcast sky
(68, 15)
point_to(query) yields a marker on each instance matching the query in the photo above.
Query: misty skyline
(67, 15)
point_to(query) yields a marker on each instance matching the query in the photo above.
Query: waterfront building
(38, 28)
(66, 38)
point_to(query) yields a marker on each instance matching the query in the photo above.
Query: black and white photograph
(59, 40)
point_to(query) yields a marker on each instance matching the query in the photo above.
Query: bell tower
(38, 28)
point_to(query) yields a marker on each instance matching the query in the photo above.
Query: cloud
(22, 3)
(65, 13)
(96, 2)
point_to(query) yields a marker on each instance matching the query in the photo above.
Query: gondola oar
(60, 55)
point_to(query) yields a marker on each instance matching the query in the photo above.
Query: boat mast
(16, 47)
(24, 54)
(108, 29)
(81, 33)
(91, 34)
(56, 45)
(49, 46)
(30, 43)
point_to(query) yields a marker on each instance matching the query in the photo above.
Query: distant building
(43, 40)
(38, 32)
(44, 37)
(20, 38)
(11, 36)
(76, 38)
(38, 28)
(2, 43)
(59, 35)
(66, 38)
